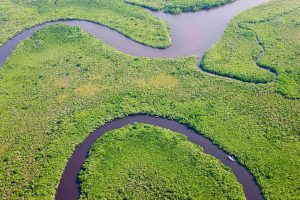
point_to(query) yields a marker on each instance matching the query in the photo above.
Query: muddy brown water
(192, 34)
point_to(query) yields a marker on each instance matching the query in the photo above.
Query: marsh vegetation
(55, 93)
(272, 29)
(147, 162)
(61, 84)
(178, 6)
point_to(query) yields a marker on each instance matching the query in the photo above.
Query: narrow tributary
(192, 34)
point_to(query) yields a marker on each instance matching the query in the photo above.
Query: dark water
(68, 188)
(192, 34)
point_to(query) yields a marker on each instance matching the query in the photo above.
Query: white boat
(230, 158)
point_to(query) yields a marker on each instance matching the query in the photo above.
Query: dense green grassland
(150, 4)
(274, 28)
(178, 6)
(134, 22)
(61, 84)
(146, 162)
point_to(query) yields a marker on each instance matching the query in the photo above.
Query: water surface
(68, 188)
(192, 33)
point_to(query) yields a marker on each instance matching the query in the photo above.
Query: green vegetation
(134, 22)
(61, 84)
(178, 6)
(146, 162)
(276, 27)
(150, 4)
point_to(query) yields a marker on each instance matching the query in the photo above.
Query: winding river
(69, 184)
(192, 34)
